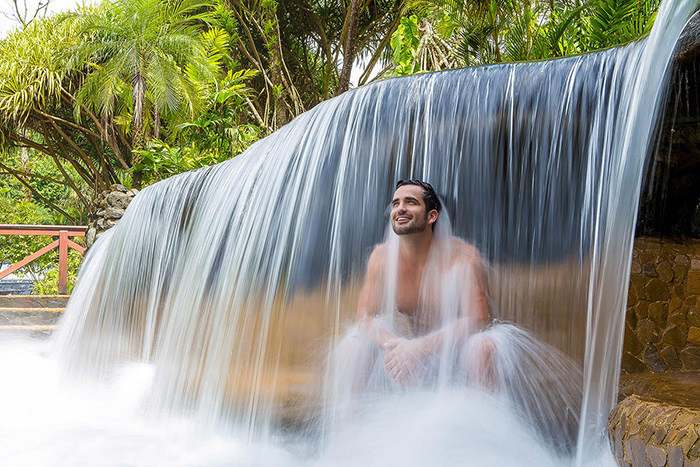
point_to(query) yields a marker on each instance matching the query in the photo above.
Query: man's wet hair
(430, 198)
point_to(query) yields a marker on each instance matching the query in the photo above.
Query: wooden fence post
(63, 262)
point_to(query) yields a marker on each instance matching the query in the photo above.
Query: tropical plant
(453, 33)
(139, 62)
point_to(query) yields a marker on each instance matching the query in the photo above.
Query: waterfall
(233, 282)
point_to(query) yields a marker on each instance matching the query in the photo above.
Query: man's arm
(369, 301)
(475, 311)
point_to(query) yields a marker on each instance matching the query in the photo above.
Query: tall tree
(136, 63)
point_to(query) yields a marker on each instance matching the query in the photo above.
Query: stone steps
(31, 313)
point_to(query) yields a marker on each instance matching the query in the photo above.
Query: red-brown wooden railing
(63, 242)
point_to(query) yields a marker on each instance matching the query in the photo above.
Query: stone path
(31, 313)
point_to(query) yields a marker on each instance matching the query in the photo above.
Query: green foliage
(48, 285)
(456, 33)
(404, 43)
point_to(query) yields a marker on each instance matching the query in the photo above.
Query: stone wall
(662, 330)
(110, 207)
(657, 434)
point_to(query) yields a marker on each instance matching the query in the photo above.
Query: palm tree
(139, 60)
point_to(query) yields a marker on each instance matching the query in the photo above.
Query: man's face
(408, 212)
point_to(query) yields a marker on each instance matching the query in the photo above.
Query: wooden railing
(63, 243)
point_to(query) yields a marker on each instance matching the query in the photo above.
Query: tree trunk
(137, 131)
(349, 48)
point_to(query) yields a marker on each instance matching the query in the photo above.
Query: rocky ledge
(657, 423)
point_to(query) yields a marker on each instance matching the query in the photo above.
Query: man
(420, 272)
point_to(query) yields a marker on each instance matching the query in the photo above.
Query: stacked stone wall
(650, 433)
(662, 329)
(110, 207)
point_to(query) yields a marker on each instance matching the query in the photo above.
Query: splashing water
(199, 328)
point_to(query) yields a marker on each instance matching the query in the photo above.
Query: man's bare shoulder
(465, 252)
(376, 258)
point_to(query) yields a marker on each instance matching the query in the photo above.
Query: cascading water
(201, 323)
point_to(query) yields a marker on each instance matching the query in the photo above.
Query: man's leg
(477, 361)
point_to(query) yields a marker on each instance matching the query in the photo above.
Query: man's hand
(403, 360)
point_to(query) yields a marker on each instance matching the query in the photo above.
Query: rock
(694, 335)
(631, 342)
(674, 304)
(683, 260)
(675, 457)
(113, 213)
(693, 319)
(631, 317)
(118, 187)
(657, 290)
(642, 310)
(647, 332)
(693, 285)
(118, 200)
(677, 319)
(639, 456)
(631, 364)
(680, 271)
(658, 312)
(90, 236)
(670, 356)
(690, 356)
(638, 282)
(649, 270)
(636, 267)
(653, 359)
(665, 271)
(657, 456)
(674, 336)
(680, 290)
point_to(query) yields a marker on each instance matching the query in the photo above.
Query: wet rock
(677, 319)
(680, 271)
(653, 359)
(632, 344)
(631, 364)
(657, 456)
(636, 267)
(649, 270)
(647, 332)
(657, 290)
(658, 312)
(674, 304)
(675, 457)
(690, 356)
(665, 271)
(642, 310)
(638, 282)
(670, 356)
(694, 335)
(693, 319)
(674, 336)
(693, 285)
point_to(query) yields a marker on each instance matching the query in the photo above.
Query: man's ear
(432, 216)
